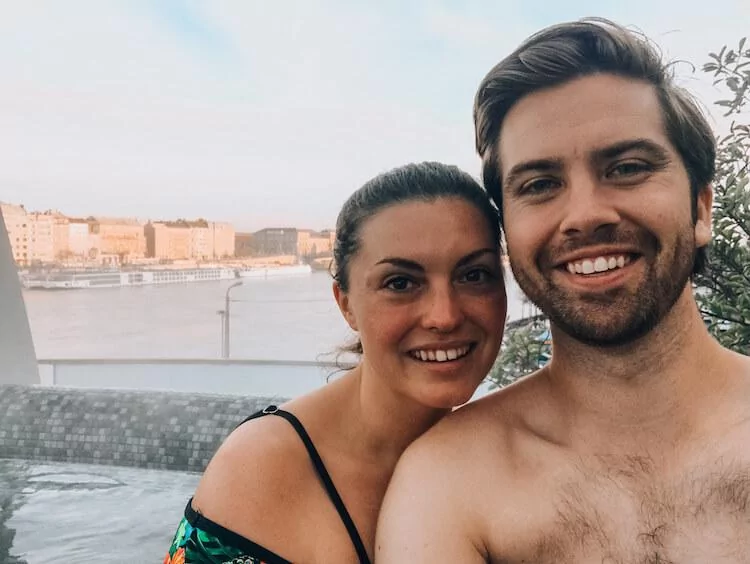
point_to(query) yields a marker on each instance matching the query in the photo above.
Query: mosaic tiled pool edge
(145, 429)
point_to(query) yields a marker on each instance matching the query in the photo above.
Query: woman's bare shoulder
(257, 481)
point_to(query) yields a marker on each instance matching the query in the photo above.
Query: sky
(271, 113)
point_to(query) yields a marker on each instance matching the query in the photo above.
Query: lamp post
(225, 316)
(221, 313)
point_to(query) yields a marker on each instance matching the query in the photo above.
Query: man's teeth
(599, 264)
(440, 355)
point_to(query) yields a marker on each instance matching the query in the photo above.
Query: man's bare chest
(624, 512)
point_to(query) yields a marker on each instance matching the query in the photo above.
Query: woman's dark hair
(426, 182)
(564, 52)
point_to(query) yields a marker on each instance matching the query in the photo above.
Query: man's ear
(342, 299)
(704, 214)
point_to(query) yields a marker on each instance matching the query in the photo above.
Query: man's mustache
(641, 241)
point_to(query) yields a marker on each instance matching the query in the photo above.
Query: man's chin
(606, 335)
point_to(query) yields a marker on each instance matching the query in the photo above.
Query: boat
(76, 280)
(275, 271)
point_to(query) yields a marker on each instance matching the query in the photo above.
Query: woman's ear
(342, 299)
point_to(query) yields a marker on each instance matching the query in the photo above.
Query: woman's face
(427, 296)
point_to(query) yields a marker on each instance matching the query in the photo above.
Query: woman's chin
(449, 399)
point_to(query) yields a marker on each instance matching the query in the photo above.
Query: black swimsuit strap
(323, 475)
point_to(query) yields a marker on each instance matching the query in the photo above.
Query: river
(292, 318)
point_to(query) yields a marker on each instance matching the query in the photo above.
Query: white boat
(66, 280)
(276, 271)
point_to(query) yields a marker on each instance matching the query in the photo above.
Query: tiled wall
(165, 430)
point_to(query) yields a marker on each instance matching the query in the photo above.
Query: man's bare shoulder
(489, 435)
(499, 416)
(468, 477)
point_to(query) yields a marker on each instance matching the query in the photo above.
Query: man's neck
(654, 390)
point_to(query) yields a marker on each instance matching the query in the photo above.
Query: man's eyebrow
(616, 149)
(536, 165)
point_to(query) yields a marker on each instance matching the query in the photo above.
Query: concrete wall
(17, 357)
(242, 377)
(148, 429)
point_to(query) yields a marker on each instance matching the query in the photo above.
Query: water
(293, 318)
(85, 514)
(82, 514)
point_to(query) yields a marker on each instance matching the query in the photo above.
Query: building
(199, 240)
(124, 238)
(311, 244)
(50, 237)
(201, 245)
(157, 240)
(243, 245)
(302, 243)
(17, 224)
(82, 243)
(168, 240)
(211, 240)
(275, 241)
(41, 243)
(36, 237)
(222, 235)
(60, 236)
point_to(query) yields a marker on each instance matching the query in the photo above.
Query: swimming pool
(80, 514)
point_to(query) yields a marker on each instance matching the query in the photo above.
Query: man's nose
(588, 207)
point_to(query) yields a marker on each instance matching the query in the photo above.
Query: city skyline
(52, 238)
(145, 219)
(270, 113)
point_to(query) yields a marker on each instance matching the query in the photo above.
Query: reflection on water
(11, 484)
(80, 514)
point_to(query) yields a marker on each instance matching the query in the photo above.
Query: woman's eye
(399, 284)
(477, 276)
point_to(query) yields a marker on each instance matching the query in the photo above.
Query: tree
(526, 348)
(723, 292)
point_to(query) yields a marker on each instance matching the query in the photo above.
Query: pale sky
(270, 113)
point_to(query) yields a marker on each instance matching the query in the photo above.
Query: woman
(418, 276)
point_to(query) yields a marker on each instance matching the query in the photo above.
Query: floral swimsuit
(201, 541)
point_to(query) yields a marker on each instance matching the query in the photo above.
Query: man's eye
(399, 284)
(539, 186)
(628, 168)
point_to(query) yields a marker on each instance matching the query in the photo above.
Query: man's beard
(619, 316)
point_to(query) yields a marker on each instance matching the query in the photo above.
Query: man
(633, 444)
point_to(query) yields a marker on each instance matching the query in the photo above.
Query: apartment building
(41, 244)
(124, 238)
(311, 244)
(243, 245)
(82, 243)
(48, 237)
(222, 237)
(275, 241)
(303, 243)
(16, 223)
(199, 240)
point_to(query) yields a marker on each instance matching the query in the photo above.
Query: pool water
(80, 514)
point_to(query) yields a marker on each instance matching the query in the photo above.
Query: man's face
(597, 209)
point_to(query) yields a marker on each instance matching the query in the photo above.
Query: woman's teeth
(440, 355)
